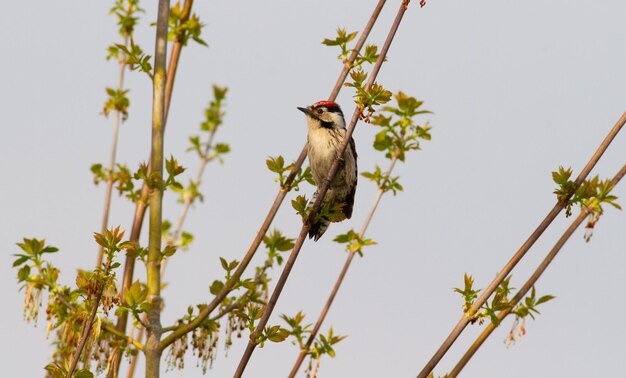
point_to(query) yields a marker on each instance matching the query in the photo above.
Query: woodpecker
(326, 131)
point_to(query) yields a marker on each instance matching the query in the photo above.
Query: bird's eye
(320, 111)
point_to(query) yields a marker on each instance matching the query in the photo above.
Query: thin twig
(458, 329)
(320, 319)
(187, 200)
(116, 128)
(86, 328)
(122, 336)
(230, 284)
(529, 284)
(318, 203)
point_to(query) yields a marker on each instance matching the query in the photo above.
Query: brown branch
(329, 302)
(177, 47)
(318, 203)
(230, 284)
(529, 284)
(458, 329)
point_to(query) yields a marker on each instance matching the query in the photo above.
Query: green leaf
(224, 263)
(275, 164)
(83, 373)
(216, 287)
(23, 273)
(21, 260)
(544, 299)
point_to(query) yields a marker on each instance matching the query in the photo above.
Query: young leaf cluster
(116, 102)
(370, 55)
(500, 301)
(182, 26)
(277, 165)
(354, 242)
(367, 97)
(342, 39)
(593, 204)
(122, 177)
(126, 12)
(383, 181)
(135, 58)
(399, 134)
(526, 308)
(400, 131)
(590, 195)
(214, 114)
(323, 344)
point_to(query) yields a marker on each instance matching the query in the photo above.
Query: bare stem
(230, 284)
(458, 329)
(153, 266)
(317, 205)
(529, 284)
(329, 302)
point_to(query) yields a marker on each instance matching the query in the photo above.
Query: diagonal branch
(529, 284)
(317, 205)
(230, 284)
(458, 329)
(329, 302)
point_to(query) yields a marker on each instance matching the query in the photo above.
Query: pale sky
(517, 89)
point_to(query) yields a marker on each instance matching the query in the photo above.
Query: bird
(326, 131)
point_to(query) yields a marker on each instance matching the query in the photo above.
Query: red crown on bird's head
(326, 103)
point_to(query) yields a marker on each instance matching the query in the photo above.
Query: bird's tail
(319, 226)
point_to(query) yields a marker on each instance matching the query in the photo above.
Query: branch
(529, 284)
(153, 266)
(142, 204)
(230, 284)
(318, 324)
(318, 203)
(458, 329)
(112, 330)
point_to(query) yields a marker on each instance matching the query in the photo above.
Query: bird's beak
(306, 111)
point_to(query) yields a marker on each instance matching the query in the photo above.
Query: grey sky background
(517, 89)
